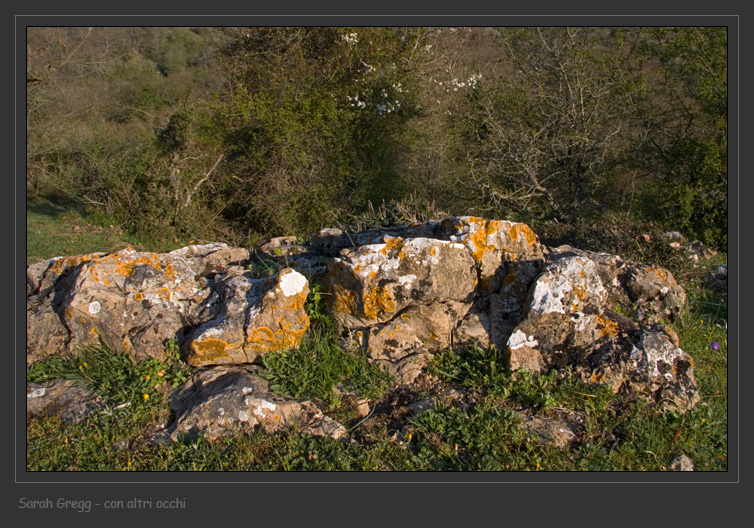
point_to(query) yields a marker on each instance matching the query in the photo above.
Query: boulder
(132, 302)
(494, 245)
(404, 345)
(654, 292)
(650, 293)
(71, 400)
(227, 399)
(375, 283)
(255, 316)
(568, 325)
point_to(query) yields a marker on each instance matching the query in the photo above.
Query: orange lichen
(209, 350)
(263, 339)
(296, 302)
(138, 296)
(523, 229)
(478, 239)
(377, 301)
(344, 300)
(94, 331)
(164, 293)
(662, 274)
(673, 336)
(170, 271)
(607, 327)
(127, 266)
(71, 262)
(392, 243)
(598, 377)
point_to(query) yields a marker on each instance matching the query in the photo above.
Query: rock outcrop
(222, 400)
(71, 400)
(401, 293)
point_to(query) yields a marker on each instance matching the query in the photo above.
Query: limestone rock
(209, 259)
(494, 243)
(374, 283)
(133, 302)
(69, 399)
(256, 316)
(654, 292)
(681, 462)
(567, 324)
(553, 431)
(282, 246)
(223, 400)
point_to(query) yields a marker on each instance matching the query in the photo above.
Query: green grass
(320, 364)
(54, 229)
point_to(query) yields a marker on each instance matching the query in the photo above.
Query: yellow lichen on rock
(210, 350)
(164, 293)
(478, 238)
(344, 300)
(522, 229)
(71, 262)
(607, 327)
(392, 243)
(377, 301)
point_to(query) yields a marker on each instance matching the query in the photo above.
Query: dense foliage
(238, 134)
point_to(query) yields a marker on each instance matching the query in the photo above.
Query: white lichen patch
(519, 339)
(209, 330)
(259, 406)
(565, 285)
(247, 390)
(243, 416)
(94, 307)
(548, 295)
(406, 280)
(253, 312)
(653, 351)
(292, 283)
(36, 393)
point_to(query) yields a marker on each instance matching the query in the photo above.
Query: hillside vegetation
(239, 134)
